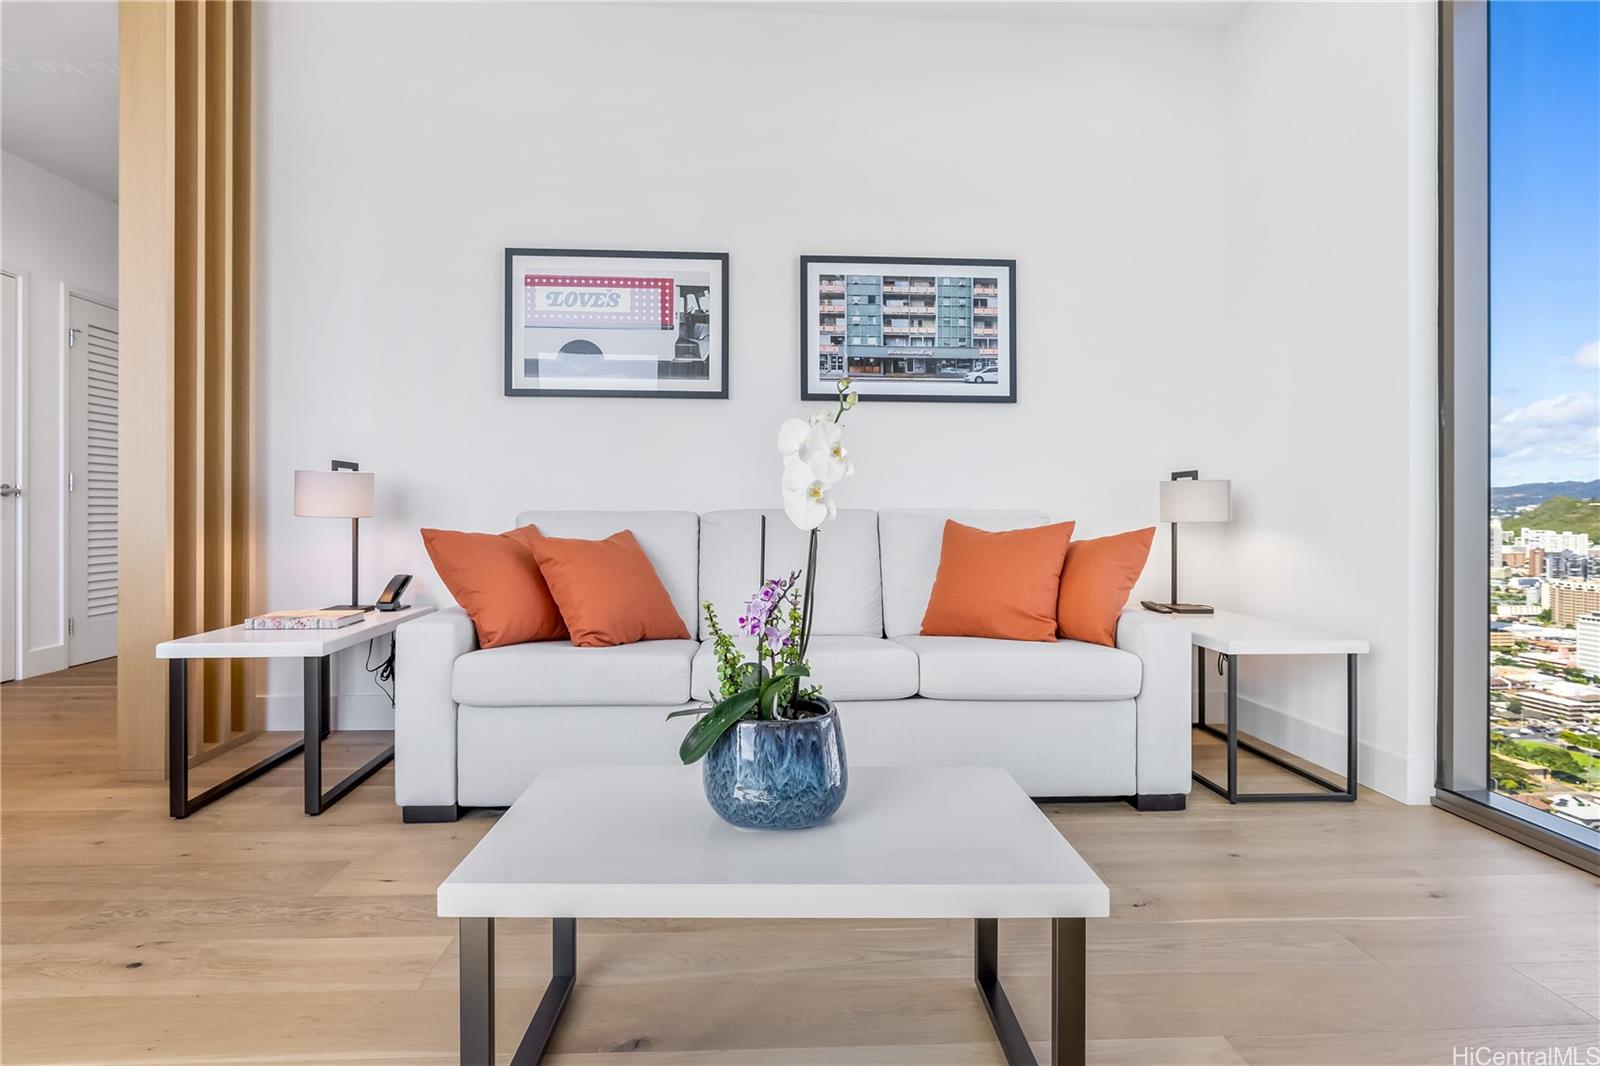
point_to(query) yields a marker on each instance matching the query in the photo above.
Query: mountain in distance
(1562, 514)
(1511, 497)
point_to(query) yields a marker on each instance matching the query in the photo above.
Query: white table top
(641, 842)
(237, 642)
(1230, 633)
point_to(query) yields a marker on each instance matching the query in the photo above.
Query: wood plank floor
(252, 934)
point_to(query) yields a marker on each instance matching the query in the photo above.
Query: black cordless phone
(390, 600)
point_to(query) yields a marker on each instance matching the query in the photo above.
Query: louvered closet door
(92, 483)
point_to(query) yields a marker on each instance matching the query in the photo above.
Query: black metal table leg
(179, 803)
(1068, 992)
(477, 991)
(318, 724)
(1332, 792)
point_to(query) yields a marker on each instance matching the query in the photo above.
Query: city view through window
(1544, 382)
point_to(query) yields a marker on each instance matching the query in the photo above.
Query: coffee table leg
(1069, 990)
(477, 991)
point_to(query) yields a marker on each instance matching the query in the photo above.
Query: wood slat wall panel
(186, 270)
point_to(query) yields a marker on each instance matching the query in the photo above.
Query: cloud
(1556, 428)
(1588, 356)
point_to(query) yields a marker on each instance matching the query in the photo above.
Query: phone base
(394, 606)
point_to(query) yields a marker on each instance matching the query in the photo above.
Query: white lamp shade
(332, 494)
(1194, 501)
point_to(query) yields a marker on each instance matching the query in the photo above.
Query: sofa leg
(1168, 801)
(447, 812)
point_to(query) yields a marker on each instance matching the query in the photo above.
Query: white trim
(19, 419)
(363, 710)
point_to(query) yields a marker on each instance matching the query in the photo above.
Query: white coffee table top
(1230, 633)
(641, 842)
(237, 642)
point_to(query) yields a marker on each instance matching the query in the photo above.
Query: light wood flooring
(250, 933)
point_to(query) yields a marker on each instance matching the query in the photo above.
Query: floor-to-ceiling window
(1520, 470)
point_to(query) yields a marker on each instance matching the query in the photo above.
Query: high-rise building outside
(1569, 599)
(1554, 540)
(1496, 541)
(906, 327)
(1589, 643)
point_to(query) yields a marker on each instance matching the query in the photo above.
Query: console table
(1232, 635)
(314, 647)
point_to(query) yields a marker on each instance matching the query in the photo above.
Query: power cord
(384, 671)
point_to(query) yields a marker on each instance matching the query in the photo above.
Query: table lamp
(340, 492)
(1186, 498)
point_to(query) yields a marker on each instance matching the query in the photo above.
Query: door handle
(10, 490)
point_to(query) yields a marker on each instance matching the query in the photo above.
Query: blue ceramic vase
(779, 774)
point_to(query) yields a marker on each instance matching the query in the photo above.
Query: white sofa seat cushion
(555, 673)
(847, 668)
(981, 668)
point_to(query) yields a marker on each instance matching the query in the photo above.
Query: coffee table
(641, 842)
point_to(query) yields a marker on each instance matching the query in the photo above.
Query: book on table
(334, 619)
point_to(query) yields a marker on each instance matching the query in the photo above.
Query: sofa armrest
(1162, 645)
(426, 651)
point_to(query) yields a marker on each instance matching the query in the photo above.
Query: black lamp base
(1176, 608)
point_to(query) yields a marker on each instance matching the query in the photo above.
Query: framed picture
(909, 329)
(588, 323)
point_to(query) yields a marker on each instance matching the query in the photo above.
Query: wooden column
(185, 275)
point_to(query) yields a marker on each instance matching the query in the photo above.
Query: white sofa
(1067, 719)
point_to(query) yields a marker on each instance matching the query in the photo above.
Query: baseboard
(358, 711)
(1385, 771)
(45, 660)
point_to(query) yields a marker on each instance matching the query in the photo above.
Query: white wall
(1225, 261)
(403, 147)
(1327, 406)
(60, 236)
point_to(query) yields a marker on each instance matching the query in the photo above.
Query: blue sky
(1544, 240)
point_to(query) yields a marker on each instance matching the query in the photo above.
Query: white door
(10, 477)
(92, 482)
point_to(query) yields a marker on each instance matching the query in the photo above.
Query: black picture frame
(720, 317)
(808, 335)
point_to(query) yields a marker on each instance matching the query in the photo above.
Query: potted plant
(772, 748)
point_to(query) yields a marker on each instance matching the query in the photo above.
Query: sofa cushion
(847, 668)
(555, 673)
(608, 591)
(670, 539)
(910, 542)
(980, 668)
(849, 596)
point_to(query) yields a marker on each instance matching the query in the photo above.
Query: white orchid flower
(805, 494)
(825, 452)
(792, 434)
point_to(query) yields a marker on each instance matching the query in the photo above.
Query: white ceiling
(58, 93)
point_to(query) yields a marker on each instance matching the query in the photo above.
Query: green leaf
(687, 710)
(705, 732)
(774, 687)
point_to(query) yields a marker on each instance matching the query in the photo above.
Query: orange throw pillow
(496, 580)
(997, 584)
(608, 592)
(1096, 581)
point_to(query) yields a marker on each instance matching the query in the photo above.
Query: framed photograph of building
(589, 323)
(909, 329)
